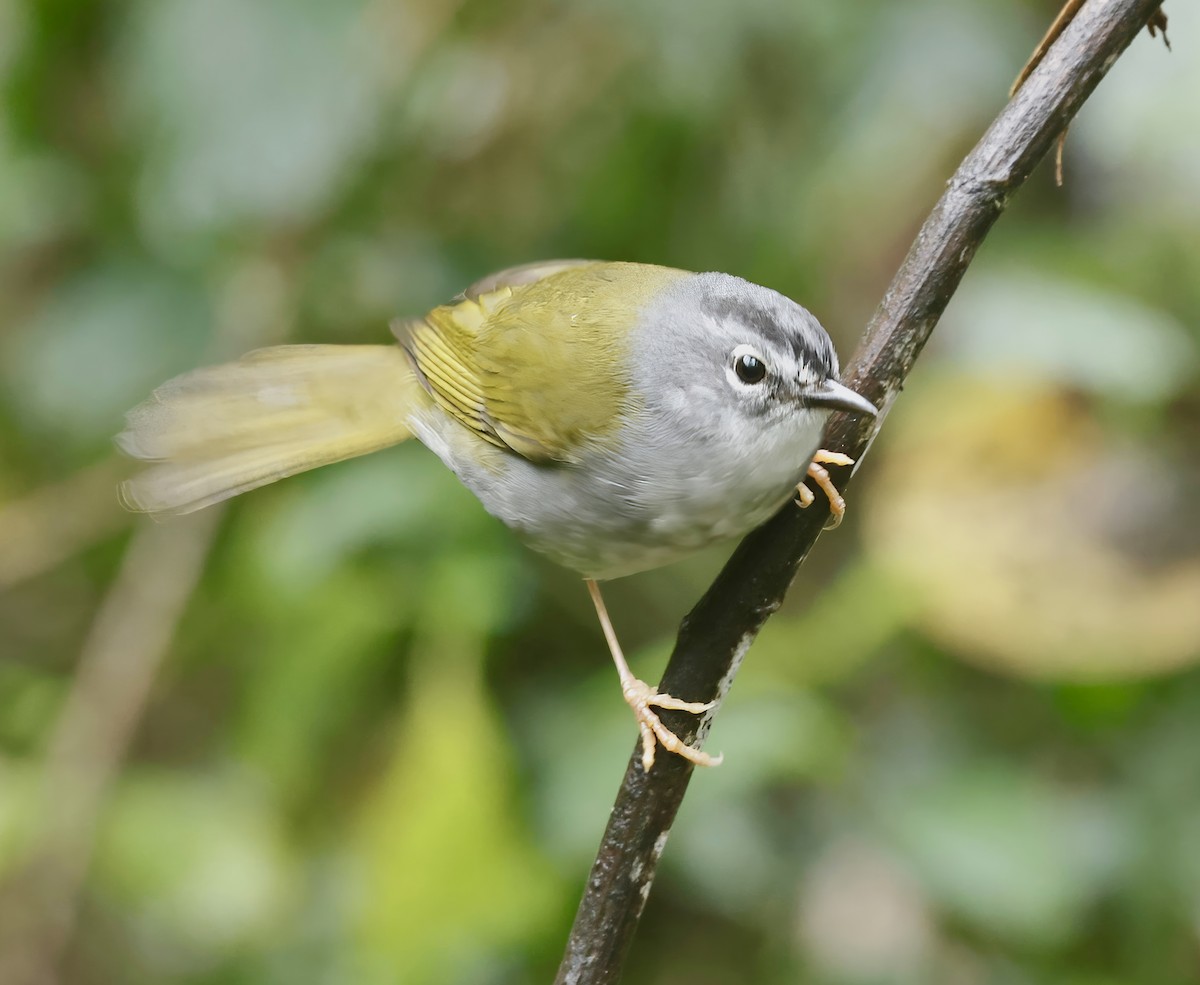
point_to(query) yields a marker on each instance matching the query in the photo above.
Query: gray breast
(684, 470)
(664, 492)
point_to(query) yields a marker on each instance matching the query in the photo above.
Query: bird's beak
(833, 395)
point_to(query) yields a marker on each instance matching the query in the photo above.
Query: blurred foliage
(349, 730)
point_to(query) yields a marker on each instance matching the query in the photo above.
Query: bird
(617, 416)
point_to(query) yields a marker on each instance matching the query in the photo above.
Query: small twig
(57, 522)
(1157, 20)
(1065, 16)
(719, 630)
(120, 661)
(121, 658)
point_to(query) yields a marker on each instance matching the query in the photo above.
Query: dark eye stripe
(783, 323)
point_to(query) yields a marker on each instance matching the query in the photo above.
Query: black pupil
(749, 369)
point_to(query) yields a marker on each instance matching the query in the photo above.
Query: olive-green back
(536, 358)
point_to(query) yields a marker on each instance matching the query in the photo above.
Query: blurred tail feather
(220, 431)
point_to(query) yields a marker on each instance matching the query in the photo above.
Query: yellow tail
(217, 432)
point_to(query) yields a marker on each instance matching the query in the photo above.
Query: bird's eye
(749, 365)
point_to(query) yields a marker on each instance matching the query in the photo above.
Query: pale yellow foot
(816, 472)
(640, 696)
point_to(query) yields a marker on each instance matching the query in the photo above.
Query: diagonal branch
(718, 631)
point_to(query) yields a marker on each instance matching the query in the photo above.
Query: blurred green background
(348, 730)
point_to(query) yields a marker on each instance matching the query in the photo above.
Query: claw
(642, 697)
(819, 475)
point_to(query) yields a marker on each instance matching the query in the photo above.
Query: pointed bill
(835, 396)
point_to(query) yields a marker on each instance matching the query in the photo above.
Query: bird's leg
(640, 696)
(818, 474)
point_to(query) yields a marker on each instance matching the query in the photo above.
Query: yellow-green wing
(536, 358)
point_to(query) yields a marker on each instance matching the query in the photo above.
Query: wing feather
(535, 358)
